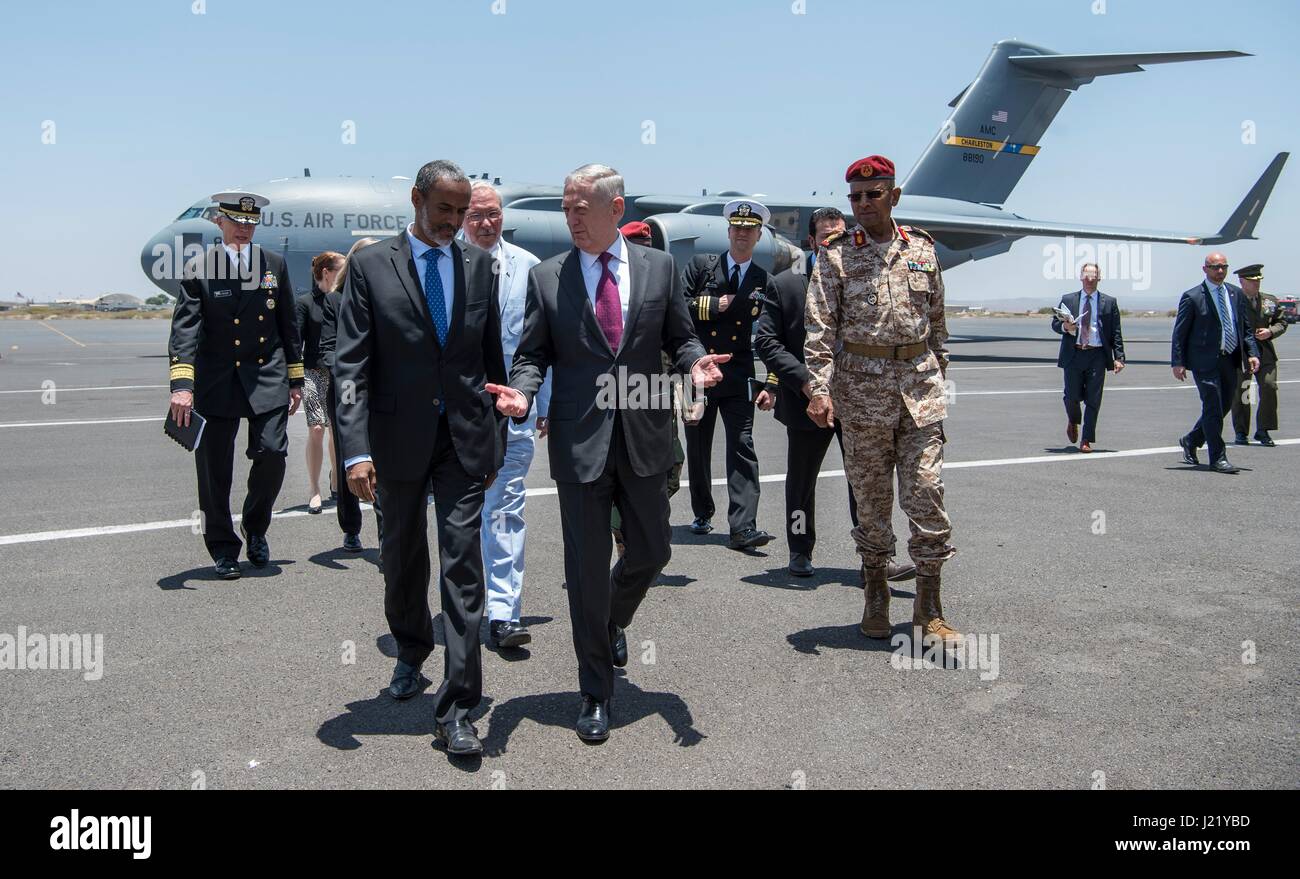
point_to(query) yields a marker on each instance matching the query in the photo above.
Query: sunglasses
(873, 194)
(1216, 265)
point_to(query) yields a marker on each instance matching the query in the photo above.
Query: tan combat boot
(875, 611)
(927, 613)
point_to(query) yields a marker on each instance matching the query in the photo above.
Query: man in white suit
(503, 504)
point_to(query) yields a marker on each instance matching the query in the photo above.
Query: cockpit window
(206, 212)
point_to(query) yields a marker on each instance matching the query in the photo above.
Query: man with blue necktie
(419, 338)
(1213, 335)
(1090, 345)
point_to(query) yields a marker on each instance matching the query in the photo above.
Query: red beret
(870, 168)
(635, 230)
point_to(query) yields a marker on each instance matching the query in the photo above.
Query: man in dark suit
(598, 317)
(725, 293)
(235, 353)
(1090, 346)
(419, 337)
(1213, 334)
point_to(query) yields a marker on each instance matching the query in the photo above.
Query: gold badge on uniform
(859, 238)
(754, 312)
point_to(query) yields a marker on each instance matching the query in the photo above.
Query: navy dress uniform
(706, 279)
(234, 344)
(1266, 314)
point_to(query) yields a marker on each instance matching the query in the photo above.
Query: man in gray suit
(598, 317)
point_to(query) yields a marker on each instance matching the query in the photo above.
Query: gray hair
(476, 185)
(438, 169)
(604, 179)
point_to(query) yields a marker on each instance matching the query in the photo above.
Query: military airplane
(956, 190)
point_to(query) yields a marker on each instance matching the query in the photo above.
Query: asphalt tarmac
(1141, 609)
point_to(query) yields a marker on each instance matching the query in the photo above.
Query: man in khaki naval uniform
(876, 352)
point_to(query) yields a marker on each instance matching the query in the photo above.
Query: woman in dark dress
(325, 268)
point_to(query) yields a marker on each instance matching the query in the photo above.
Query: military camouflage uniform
(867, 294)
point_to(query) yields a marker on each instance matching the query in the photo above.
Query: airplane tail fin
(992, 135)
(1242, 222)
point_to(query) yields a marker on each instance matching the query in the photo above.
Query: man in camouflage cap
(876, 352)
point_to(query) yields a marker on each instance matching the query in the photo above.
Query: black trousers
(1216, 388)
(458, 510)
(348, 509)
(597, 595)
(214, 459)
(742, 462)
(805, 451)
(1085, 378)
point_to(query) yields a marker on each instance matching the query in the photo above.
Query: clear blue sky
(156, 107)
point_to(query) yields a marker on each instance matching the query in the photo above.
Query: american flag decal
(1000, 116)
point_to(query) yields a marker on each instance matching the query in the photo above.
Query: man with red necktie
(598, 317)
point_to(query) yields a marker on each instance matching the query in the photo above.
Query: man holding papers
(1091, 343)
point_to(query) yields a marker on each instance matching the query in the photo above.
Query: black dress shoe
(1241, 440)
(701, 526)
(352, 542)
(1262, 437)
(750, 538)
(618, 645)
(315, 511)
(406, 681)
(1223, 465)
(227, 569)
(1189, 452)
(593, 720)
(801, 565)
(509, 634)
(898, 571)
(458, 738)
(258, 550)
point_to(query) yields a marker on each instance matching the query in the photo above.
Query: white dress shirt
(1090, 336)
(744, 267)
(445, 269)
(239, 256)
(591, 271)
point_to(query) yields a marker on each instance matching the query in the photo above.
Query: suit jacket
(1108, 327)
(387, 354)
(234, 341)
(705, 282)
(1265, 314)
(561, 335)
(1198, 333)
(779, 342)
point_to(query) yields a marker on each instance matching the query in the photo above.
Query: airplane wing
(1241, 224)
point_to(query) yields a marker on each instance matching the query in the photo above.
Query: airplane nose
(165, 254)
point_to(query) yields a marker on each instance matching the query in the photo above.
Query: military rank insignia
(268, 281)
(913, 266)
(859, 238)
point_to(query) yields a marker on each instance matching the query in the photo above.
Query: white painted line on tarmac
(103, 530)
(62, 390)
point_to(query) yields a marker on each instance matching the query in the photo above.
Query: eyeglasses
(873, 194)
(1216, 265)
(478, 218)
